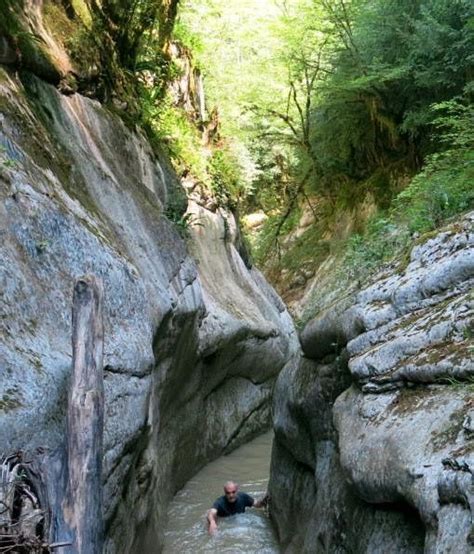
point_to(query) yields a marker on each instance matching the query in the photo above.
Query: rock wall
(192, 342)
(374, 448)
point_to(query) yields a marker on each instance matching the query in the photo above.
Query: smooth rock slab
(404, 446)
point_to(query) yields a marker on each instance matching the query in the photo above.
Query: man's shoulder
(246, 498)
(219, 502)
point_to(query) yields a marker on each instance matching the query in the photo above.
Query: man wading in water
(233, 502)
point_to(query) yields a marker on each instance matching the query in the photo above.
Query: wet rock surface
(378, 421)
(188, 368)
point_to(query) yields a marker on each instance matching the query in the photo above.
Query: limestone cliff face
(374, 447)
(192, 342)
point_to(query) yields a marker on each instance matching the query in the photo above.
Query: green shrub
(307, 251)
(174, 129)
(270, 237)
(365, 253)
(9, 22)
(445, 186)
(226, 177)
(443, 189)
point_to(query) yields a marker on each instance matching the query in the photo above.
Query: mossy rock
(36, 59)
(21, 46)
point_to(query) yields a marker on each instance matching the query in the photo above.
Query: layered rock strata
(374, 447)
(192, 342)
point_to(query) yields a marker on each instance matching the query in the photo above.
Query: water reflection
(248, 533)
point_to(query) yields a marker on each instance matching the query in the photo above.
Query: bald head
(230, 484)
(230, 490)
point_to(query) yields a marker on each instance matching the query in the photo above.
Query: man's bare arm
(262, 502)
(212, 519)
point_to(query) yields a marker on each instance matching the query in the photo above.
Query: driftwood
(21, 517)
(83, 506)
(51, 501)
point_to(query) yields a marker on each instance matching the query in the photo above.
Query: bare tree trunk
(85, 421)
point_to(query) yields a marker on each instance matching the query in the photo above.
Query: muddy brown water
(248, 533)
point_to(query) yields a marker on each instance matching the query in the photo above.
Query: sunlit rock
(194, 338)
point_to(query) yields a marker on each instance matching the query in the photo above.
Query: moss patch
(81, 9)
(448, 435)
(73, 35)
(11, 400)
(411, 399)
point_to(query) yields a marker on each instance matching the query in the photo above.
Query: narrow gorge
(371, 399)
(192, 344)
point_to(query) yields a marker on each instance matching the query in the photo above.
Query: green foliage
(113, 42)
(431, 198)
(226, 176)
(182, 221)
(365, 253)
(175, 211)
(12, 27)
(269, 239)
(334, 93)
(396, 58)
(73, 33)
(458, 382)
(221, 170)
(174, 129)
(444, 187)
(306, 253)
(442, 190)
(331, 97)
(379, 67)
(238, 50)
(8, 162)
(189, 38)
(123, 25)
(10, 24)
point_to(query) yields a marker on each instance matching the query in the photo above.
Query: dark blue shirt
(225, 508)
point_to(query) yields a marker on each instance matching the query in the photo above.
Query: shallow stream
(248, 533)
